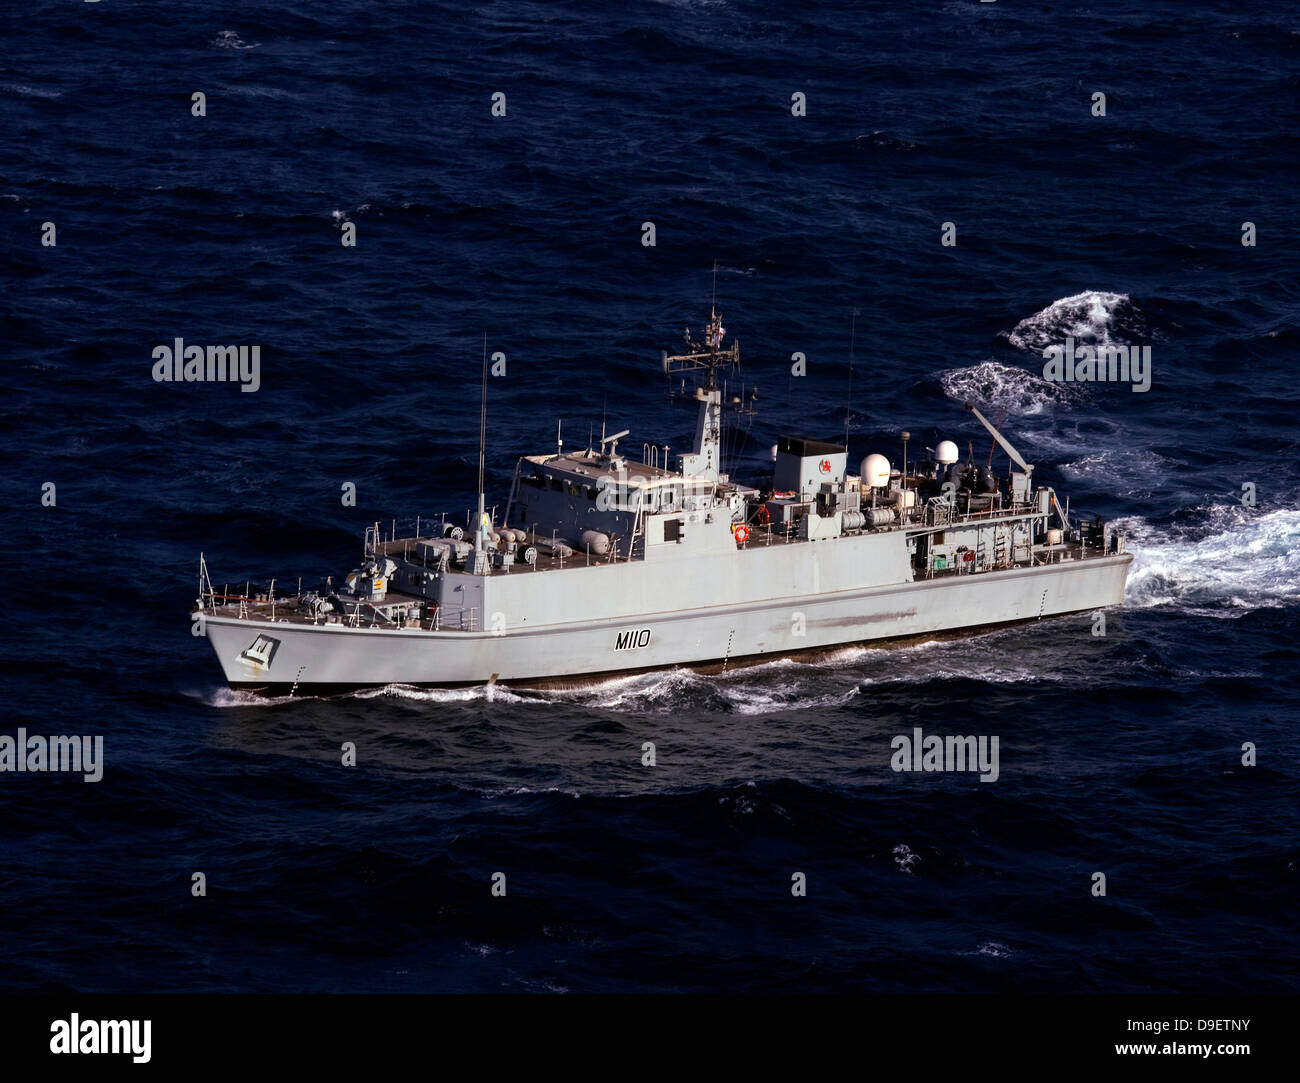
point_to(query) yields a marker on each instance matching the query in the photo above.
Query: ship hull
(307, 659)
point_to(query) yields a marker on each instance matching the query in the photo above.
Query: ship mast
(480, 531)
(704, 460)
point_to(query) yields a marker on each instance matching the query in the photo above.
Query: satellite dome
(946, 452)
(875, 471)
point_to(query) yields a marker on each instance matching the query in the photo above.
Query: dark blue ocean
(1120, 754)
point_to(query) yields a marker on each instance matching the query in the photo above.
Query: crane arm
(1006, 444)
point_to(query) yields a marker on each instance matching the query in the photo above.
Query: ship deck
(399, 610)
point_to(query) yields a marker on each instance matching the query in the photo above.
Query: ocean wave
(23, 90)
(229, 39)
(905, 858)
(528, 791)
(1094, 316)
(1019, 391)
(992, 948)
(778, 685)
(882, 140)
(1123, 470)
(965, 668)
(243, 90)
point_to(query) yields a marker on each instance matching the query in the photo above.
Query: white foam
(229, 39)
(23, 90)
(1089, 316)
(961, 668)
(995, 949)
(753, 701)
(224, 697)
(244, 90)
(905, 858)
(635, 692)
(746, 690)
(1019, 391)
(521, 791)
(1235, 560)
(488, 693)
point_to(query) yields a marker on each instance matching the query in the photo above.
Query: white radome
(875, 471)
(946, 452)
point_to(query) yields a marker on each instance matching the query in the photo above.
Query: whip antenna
(848, 399)
(480, 530)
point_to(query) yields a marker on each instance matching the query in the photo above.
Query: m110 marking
(631, 639)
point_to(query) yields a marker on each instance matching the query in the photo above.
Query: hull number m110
(632, 639)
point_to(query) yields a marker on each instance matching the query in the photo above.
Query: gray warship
(602, 565)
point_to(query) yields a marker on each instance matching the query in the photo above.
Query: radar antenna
(705, 356)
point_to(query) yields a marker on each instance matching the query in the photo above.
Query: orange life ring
(742, 534)
(763, 515)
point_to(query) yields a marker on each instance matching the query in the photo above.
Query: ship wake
(1235, 559)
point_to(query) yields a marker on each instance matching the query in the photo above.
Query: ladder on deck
(636, 529)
